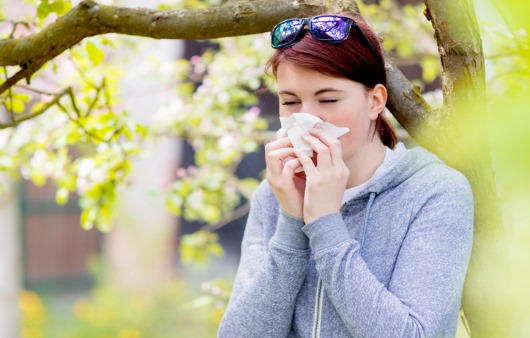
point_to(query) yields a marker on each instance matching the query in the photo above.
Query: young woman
(375, 240)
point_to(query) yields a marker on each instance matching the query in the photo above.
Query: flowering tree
(61, 122)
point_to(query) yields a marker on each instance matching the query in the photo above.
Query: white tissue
(297, 125)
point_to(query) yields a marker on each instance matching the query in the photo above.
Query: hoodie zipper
(319, 297)
(318, 310)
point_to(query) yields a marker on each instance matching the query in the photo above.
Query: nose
(311, 109)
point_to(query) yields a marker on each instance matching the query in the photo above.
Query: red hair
(352, 59)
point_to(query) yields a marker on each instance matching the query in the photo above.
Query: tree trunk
(9, 258)
(460, 138)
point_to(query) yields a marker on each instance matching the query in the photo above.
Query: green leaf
(88, 216)
(216, 249)
(38, 179)
(95, 54)
(211, 214)
(430, 68)
(16, 106)
(261, 124)
(66, 7)
(141, 129)
(247, 186)
(61, 196)
(37, 106)
(197, 247)
(43, 9)
(174, 204)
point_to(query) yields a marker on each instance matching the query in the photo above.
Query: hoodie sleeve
(268, 280)
(423, 296)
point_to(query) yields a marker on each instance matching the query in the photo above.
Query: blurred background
(162, 264)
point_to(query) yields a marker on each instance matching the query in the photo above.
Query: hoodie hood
(400, 164)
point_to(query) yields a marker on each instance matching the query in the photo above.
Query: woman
(375, 240)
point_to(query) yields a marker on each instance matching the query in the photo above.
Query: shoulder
(439, 176)
(440, 183)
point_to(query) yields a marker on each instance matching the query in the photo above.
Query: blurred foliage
(407, 36)
(85, 143)
(175, 310)
(33, 314)
(197, 247)
(506, 39)
(215, 111)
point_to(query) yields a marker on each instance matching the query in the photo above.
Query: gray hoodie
(392, 263)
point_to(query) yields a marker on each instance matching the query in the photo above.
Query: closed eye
(289, 103)
(328, 100)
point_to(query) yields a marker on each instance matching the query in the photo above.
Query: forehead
(290, 72)
(296, 78)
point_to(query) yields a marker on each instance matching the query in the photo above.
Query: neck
(364, 163)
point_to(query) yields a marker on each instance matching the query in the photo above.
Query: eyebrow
(318, 92)
(326, 90)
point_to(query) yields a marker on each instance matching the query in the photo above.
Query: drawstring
(368, 207)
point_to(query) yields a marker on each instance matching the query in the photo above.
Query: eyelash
(328, 101)
(290, 103)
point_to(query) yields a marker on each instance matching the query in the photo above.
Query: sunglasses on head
(326, 28)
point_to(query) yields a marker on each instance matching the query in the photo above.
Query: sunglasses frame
(309, 22)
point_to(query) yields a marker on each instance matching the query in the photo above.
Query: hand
(325, 182)
(288, 189)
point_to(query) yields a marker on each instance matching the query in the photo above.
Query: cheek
(356, 135)
(359, 125)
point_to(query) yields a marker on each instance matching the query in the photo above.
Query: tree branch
(90, 18)
(42, 110)
(407, 104)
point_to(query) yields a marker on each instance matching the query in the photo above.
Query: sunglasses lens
(330, 28)
(285, 32)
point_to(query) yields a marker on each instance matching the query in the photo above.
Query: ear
(378, 101)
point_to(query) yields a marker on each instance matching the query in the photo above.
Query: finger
(283, 142)
(290, 166)
(322, 151)
(305, 161)
(334, 145)
(275, 159)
